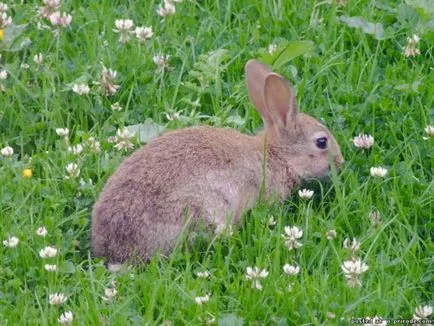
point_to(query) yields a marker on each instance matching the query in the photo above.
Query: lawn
(80, 93)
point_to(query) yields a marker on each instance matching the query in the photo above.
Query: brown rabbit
(209, 173)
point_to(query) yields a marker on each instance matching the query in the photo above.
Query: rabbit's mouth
(322, 175)
(325, 173)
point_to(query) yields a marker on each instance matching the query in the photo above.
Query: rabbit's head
(307, 146)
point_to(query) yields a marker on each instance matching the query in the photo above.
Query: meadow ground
(361, 66)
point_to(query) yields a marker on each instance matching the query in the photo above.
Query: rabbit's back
(206, 171)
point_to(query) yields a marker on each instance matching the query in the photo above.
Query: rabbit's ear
(280, 102)
(256, 73)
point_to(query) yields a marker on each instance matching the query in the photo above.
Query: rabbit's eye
(321, 142)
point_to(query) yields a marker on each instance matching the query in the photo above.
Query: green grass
(352, 81)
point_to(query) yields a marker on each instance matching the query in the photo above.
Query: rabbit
(209, 174)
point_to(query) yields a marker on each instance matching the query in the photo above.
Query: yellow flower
(27, 173)
(1, 34)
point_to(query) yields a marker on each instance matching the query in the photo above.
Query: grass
(352, 81)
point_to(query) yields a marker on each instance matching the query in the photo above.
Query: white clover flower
(354, 246)
(272, 48)
(331, 234)
(422, 312)
(7, 151)
(331, 315)
(49, 8)
(24, 66)
(116, 106)
(3, 7)
(271, 221)
(3, 74)
(173, 116)
(143, 33)
(94, 145)
(414, 39)
(123, 25)
(167, 8)
(62, 132)
(255, 274)
(363, 141)
(60, 19)
(292, 234)
(112, 139)
(72, 170)
(110, 293)
(352, 269)
(76, 150)
(378, 171)
(5, 20)
(106, 82)
(50, 267)
(305, 194)
(411, 49)
(291, 270)
(375, 217)
(123, 133)
(11, 242)
(123, 139)
(48, 252)
(81, 89)
(204, 274)
(202, 300)
(161, 60)
(84, 186)
(66, 318)
(124, 28)
(38, 58)
(57, 298)
(42, 231)
(429, 132)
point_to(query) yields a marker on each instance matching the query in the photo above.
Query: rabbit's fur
(209, 174)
